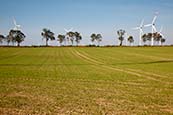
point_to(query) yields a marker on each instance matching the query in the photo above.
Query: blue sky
(85, 16)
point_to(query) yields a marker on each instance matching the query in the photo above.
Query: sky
(85, 16)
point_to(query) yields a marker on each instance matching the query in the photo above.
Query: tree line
(14, 36)
(147, 37)
(70, 37)
(17, 36)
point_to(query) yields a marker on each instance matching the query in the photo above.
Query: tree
(1, 38)
(19, 37)
(121, 34)
(48, 35)
(93, 37)
(70, 37)
(15, 36)
(61, 38)
(98, 38)
(144, 38)
(78, 38)
(8, 39)
(149, 36)
(157, 37)
(130, 39)
(163, 41)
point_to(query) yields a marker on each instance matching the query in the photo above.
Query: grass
(71, 80)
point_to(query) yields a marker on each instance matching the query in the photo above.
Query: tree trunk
(121, 43)
(46, 42)
(98, 43)
(72, 42)
(65, 42)
(18, 44)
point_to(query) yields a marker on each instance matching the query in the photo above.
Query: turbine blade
(160, 32)
(136, 28)
(161, 29)
(154, 28)
(14, 21)
(65, 30)
(154, 19)
(18, 26)
(148, 25)
(71, 29)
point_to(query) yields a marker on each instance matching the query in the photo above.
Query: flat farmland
(86, 80)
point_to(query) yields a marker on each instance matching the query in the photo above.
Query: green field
(94, 81)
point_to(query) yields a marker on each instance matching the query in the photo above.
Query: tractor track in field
(139, 73)
(147, 73)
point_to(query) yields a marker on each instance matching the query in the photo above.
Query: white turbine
(153, 28)
(140, 28)
(16, 26)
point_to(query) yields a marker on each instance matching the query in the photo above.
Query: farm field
(86, 80)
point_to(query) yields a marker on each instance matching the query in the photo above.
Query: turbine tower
(140, 28)
(153, 28)
(126, 37)
(16, 26)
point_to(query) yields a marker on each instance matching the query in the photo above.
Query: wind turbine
(140, 28)
(16, 26)
(153, 28)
